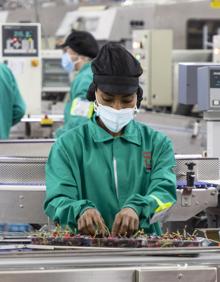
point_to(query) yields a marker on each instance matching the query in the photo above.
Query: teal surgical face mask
(114, 119)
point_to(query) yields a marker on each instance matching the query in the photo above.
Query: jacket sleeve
(80, 86)
(19, 104)
(79, 89)
(161, 192)
(63, 203)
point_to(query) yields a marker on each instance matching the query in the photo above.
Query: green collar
(84, 67)
(131, 132)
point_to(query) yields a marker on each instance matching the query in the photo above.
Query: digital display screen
(19, 41)
(215, 79)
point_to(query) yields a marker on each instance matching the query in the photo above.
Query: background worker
(12, 106)
(79, 48)
(111, 171)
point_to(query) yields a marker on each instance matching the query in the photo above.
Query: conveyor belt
(197, 184)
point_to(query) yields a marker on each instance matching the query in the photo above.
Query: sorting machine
(22, 191)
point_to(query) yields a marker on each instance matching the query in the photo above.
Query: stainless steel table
(111, 265)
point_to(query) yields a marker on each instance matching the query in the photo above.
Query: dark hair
(82, 42)
(93, 87)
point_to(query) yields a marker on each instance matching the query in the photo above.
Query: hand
(91, 222)
(126, 222)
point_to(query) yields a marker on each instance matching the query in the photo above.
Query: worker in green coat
(12, 106)
(111, 171)
(79, 48)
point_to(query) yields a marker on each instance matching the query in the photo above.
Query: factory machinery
(22, 191)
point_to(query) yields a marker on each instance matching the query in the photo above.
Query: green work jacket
(79, 88)
(89, 168)
(12, 106)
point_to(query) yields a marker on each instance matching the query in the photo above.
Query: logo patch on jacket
(147, 160)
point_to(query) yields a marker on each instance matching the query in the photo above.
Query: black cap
(115, 70)
(82, 42)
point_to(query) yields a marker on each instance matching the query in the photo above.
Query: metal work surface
(205, 168)
(196, 274)
(191, 202)
(69, 275)
(37, 263)
(38, 118)
(28, 203)
(111, 265)
(26, 148)
(83, 257)
(20, 170)
(22, 204)
(179, 129)
(177, 274)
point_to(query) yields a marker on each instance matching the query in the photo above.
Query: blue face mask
(67, 63)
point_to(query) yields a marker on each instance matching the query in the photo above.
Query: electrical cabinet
(20, 49)
(153, 49)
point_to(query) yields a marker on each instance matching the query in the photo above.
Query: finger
(136, 224)
(124, 225)
(102, 220)
(131, 226)
(99, 223)
(90, 226)
(116, 226)
(81, 224)
(102, 228)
